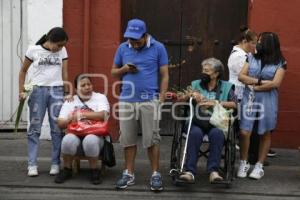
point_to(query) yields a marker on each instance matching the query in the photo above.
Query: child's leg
(264, 146)
(37, 107)
(244, 144)
(55, 102)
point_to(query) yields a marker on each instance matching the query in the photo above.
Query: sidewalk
(281, 180)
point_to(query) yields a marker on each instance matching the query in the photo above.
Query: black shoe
(272, 153)
(63, 175)
(95, 176)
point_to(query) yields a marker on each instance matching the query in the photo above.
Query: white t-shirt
(46, 67)
(98, 102)
(235, 64)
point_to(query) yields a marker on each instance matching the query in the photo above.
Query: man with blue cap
(138, 63)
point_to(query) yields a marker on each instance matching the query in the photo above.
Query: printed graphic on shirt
(49, 60)
(83, 107)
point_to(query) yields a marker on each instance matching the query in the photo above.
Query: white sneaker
(243, 169)
(257, 172)
(54, 170)
(32, 171)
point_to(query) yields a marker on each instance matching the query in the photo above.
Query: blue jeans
(216, 142)
(41, 99)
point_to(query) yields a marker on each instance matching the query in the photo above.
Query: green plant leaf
(19, 113)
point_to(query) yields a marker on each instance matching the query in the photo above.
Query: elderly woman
(206, 91)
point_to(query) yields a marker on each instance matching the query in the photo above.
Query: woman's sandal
(187, 177)
(214, 177)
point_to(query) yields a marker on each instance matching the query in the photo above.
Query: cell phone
(131, 65)
(133, 68)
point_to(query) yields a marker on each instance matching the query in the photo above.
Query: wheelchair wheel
(176, 152)
(230, 155)
(176, 148)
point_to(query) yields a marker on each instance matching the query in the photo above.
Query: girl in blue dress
(262, 74)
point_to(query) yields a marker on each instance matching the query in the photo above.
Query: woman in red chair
(91, 144)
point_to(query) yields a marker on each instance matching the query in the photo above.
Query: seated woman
(205, 93)
(91, 144)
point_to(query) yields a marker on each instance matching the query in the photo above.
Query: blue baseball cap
(135, 29)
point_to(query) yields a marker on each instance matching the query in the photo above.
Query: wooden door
(191, 30)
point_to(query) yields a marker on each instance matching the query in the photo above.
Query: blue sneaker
(125, 180)
(156, 182)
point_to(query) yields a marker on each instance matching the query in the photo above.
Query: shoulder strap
(84, 103)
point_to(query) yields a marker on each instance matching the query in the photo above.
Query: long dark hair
(271, 53)
(246, 34)
(56, 34)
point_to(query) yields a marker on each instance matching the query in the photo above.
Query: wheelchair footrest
(223, 182)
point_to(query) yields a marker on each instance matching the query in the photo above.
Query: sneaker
(125, 181)
(271, 153)
(95, 176)
(63, 175)
(32, 171)
(243, 169)
(257, 172)
(156, 182)
(54, 170)
(187, 177)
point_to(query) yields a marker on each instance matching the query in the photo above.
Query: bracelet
(259, 81)
(81, 116)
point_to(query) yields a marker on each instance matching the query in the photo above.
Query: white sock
(258, 164)
(155, 173)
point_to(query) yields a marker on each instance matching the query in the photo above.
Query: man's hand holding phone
(132, 68)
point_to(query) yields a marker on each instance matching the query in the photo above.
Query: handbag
(108, 152)
(85, 127)
(202, 118)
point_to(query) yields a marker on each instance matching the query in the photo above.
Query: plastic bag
(220, 118)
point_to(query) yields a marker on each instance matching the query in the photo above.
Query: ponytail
(56, 34)
(246, 34)
(42, 40)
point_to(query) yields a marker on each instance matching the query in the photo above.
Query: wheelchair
(178, 151)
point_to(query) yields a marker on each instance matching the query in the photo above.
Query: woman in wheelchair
(206, 92)
(95, 108)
